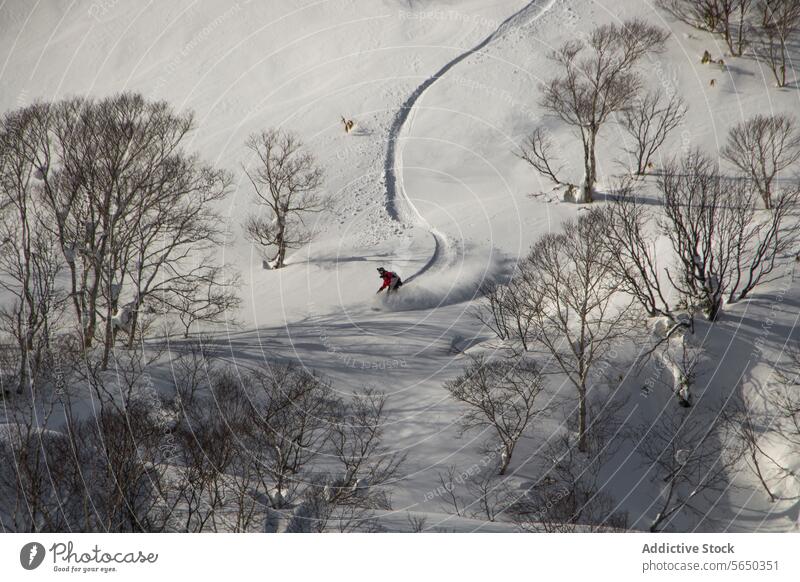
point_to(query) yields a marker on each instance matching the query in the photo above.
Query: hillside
(428, 185)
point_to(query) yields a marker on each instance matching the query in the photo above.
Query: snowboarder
(391, 281)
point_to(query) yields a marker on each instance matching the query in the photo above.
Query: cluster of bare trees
(101, 196)
(729, 18)
(95, 475)
(264, 450)
(563, 301)
(567, 493)
(722, 245)
(581, 294)
(598, 80)
(765, 26)
(106, 224)
(777, 24)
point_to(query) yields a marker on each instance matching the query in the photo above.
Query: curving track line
(393, 164)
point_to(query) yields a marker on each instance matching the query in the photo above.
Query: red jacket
(387, 279)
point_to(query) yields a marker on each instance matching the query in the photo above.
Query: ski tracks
(399, 205)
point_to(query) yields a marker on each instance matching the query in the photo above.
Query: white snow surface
(458, 207)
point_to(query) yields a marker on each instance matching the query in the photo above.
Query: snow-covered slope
(428, 184)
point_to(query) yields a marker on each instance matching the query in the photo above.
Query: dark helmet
(381, 270)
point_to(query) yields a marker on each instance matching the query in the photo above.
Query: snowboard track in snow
(394, 187)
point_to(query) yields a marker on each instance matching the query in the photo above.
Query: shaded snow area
(685, 431)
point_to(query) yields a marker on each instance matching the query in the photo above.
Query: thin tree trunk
(23, 366)
(740, 33)
(758, 473)
(280, 242)
(586, 195)
(590, 163)
(133, 323)
(662, 515)
(782, 81)
(582, 443)
(506, 459)
(108, 339)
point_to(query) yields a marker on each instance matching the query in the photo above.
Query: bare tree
(119, 457)
(768, 429)
(785, 401)
(778, 23)
(568, 495)
(129, 381)
(477, 492)
(209, 298)
(364, 470)
(750, 429)
(207, 451)
(761, 148)
(697, 218)
(570, 289)
(358, 445)
(702, 14)
(737, 25)
(648, 121)
(538, 152)
(172, 249)
(286, 181)
(210, 487)
(504, 312)
(691, 459)
(760, 241)
(630, 243)
(129, 209)
(722, 246)
(597, 80)
(492, 312)
(29, 260)
(417, 523)
(501, 396)
(288, 425)
(448, 480)
(725, 17)
(492, 495)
